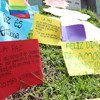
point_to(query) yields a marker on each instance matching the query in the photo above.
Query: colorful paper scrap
(16, 6)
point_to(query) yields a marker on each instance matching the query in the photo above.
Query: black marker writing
(6, 18)
(18, 23)
(6, 32)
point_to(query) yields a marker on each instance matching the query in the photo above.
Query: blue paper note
(73, 33)
(13, 28)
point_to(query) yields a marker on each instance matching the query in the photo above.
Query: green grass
(94, 19)
(58, 85)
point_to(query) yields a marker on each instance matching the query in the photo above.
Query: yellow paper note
(16, 2)
(46, 30)
(81, 58)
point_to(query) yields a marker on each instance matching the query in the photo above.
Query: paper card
(16, 2)
(73, 33)
(20, 62)
(13, 28)
(18, 7)
(46, 30)
(56, 3)
(82, 58)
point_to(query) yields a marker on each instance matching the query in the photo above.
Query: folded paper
(46, 30)
(73, 33)
(20, 63)
(82, 58)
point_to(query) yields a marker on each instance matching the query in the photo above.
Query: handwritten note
(20, 62)
(82, 58)
(16, 2)
(12, 28)
(47, 30)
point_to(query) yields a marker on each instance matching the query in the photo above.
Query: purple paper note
(73, 33)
